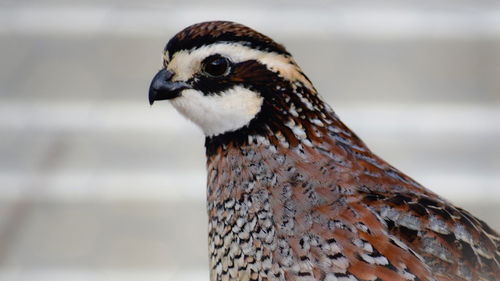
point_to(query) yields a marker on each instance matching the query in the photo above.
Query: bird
(292, 192)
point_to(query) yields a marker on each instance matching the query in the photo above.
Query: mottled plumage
(293, 194)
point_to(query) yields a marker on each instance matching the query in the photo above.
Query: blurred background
(97, 185)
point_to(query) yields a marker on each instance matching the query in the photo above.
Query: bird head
(233, 82)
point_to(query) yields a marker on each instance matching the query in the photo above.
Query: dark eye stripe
(250, 74)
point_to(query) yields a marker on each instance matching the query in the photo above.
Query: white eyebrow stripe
(186, 63)
(165, 57)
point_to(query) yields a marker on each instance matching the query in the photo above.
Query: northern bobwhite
(293, 194)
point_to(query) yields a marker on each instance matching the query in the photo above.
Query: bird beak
(162, 88)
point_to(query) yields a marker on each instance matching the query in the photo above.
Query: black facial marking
(212, 85)
(255, 77)
(250, 74)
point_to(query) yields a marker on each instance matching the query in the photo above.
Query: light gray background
(97, 185)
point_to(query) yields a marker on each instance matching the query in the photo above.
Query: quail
(294, 194)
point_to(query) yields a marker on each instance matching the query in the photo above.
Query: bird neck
(291, 115)
(311, 143)
(294, 125)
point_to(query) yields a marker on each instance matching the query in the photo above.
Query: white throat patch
(219, 113)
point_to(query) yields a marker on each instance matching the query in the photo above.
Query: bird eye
(216, 66)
